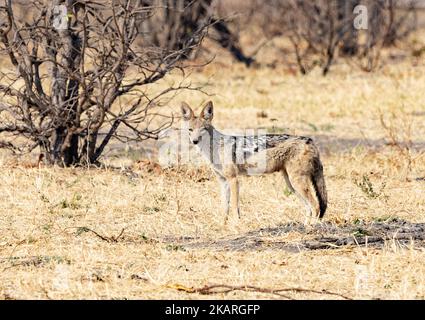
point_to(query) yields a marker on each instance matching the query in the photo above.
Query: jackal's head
(199, 127)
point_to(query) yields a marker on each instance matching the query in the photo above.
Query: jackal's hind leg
(299, 195)
(304, 189)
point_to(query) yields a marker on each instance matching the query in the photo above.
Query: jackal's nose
(195, 141)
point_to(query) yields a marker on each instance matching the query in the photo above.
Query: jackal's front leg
(234, 190)
(225, 195)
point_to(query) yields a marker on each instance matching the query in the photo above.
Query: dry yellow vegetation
(146, 232)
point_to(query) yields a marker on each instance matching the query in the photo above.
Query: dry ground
(145, 232)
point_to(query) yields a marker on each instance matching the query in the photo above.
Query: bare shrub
(179, 20)
(79, 77)
(398, 133)
(315, 29)
(320, 31)
(388, 23)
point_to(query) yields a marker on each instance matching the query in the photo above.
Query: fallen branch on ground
(80, 230)
(222, 288)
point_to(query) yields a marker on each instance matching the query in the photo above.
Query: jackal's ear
(187, 112)
(207, 112)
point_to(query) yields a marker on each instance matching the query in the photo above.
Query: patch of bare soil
(321, 236)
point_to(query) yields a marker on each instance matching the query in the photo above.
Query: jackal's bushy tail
(319, 186)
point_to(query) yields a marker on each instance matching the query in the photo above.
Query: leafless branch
(74, 62)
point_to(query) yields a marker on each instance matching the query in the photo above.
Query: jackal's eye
(190, 130)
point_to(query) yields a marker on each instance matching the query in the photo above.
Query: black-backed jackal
(232, 155)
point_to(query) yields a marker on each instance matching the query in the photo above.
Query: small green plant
(360, 232)
(30, 240)
(38, 260)
(47, 228)
(174, 247)
(357, 221)
(160, 198)
(368, 189)
(73, 203)
(150, 210)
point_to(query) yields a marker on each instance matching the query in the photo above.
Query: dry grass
(47, 248)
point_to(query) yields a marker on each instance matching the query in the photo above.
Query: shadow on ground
(336, 144)
(295, 237)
